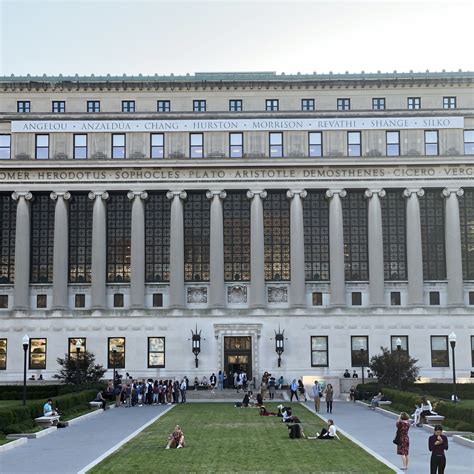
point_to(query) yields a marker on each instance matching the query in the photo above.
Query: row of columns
(217, 293)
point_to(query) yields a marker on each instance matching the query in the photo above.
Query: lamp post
(196, 344)
(78, 353)
(399, 350)
(26, 343)
(452, 342)
(362, 350)
(279, 344)
(114, 353)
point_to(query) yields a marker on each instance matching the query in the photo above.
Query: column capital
(211, 193)
(262, 193)
(26, 194)
(104, 195)
(370, 192)
(448, 191)
(331, 192)
(66, 195)
(291, 193)
(420, 192)
(140, 194)
(180, 194)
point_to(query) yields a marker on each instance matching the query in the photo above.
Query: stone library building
(182, 225)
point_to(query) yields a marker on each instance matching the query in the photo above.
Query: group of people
(355, 375)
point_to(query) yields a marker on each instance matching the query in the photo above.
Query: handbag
(396, 440)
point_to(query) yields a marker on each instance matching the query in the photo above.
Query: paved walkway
(70, 449)
(376, 431)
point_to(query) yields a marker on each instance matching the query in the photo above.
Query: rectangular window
(356, 298)
(5, 147)
(73, 346)
(276, 144)
(128, 106)
(343, 104)
(80, 147)
(393, 143)
(439, 351)
(354, 146)
(360, 351)
(431, 142)
(41, 301)
(163, 106)
(236, 145)
(395, 298)
(58, 106)
(378, 104)
(157, 145)
(307, 104)
(471, 298)
(319, 351)
(196, 145)
(469, 142)
(315, 145)
(272, 105)
(116, 353)
(80, 300)
(235, 105)
(3, 301)
(118, 300)
(403, 346)
(37, 354)
(472, 351)
(42, 147)
(199, 105)
(118, 145)
(93, 106)
(23, 106)
(449, 102)
(3, 354)
(156, 352)
(317, 298)
(434, 298)
(414, 103)
(157, 300)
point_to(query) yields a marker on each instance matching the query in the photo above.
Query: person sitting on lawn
(264, 412)
(374, 403)
(176, 438)
(259, 399)
(329, 433)
(288, 417)
(48, 409)
(246, 400)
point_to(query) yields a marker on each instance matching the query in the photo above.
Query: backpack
(295, 431)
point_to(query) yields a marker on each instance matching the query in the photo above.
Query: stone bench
(432, 419)
(95, 404)
(385, 402)
(47, 421)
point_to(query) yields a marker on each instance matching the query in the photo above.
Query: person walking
(403, 446)
(220, 380)
(329, 394)
(213, 382)
(437, 444)
(294, 390)
(317, 395)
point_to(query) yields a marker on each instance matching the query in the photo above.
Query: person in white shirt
(426, 409)
(329, 433)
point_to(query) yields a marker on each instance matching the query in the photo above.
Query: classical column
(176, 249)
(414, 248)
(22, 250)
(376, 267)
(99, 250)
(137, 262)
(336, 247)
(217, 295)
(61, 249)
(297, 266)
(452, 231)
(257, 297)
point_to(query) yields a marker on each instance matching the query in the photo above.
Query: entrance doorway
(237, 357)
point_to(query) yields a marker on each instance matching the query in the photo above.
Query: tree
(386, 368)
(79, 370)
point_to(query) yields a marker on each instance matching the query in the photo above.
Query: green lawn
(221, 438)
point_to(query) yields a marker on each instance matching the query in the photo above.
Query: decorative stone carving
(237, 294)
(197, 295)
(277, 294)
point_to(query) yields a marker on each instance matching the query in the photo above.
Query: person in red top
(438, 444)
(403, 425)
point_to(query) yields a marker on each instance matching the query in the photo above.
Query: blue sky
(155, 36)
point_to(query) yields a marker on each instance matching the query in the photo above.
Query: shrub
(39, 392)
(79, 370)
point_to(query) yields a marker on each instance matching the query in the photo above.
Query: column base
(298, 306)
(217, 306)
(416, 305)
(176, 306)
(337, 305)
(456, 305)
(98, 308)
(257, 306)
(377, 305)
